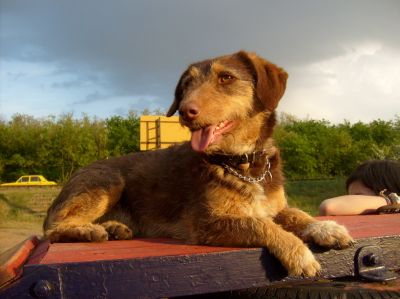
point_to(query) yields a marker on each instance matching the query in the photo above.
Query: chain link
(249, 178)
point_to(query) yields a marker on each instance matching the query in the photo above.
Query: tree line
(318, 149)
(57, 146)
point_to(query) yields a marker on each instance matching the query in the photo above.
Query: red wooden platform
(165, 267)
(367, 226)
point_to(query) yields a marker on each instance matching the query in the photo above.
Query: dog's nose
(189, 111)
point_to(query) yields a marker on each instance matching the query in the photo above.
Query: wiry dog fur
(194, 191)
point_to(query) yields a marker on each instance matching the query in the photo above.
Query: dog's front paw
(328, 234)
(77, 233)
(117, 230)
(302, 263)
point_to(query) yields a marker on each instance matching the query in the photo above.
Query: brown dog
(225, 187)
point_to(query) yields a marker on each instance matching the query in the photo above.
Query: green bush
(314, 149)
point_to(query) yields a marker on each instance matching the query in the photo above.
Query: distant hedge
(318, 149)
(57, 146)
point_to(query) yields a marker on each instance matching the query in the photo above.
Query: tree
(297, 154)
(19, 146)
(123, 134)
(76, 143)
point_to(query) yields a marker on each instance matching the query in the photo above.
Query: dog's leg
(289, 249)
(324, 233)
(71, 217)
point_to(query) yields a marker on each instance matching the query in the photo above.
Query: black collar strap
(236, 160)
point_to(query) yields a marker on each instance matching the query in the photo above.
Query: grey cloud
(143, 42)
(94, 97)
(141, 47)
(67, 84)
(16, 76)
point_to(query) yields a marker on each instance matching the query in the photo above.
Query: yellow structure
(161, 132)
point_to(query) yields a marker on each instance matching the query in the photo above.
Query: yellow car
(30, 180)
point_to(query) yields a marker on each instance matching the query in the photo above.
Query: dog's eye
(224, 78)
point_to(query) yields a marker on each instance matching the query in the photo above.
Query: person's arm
(351, 205)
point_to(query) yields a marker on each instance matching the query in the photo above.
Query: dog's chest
(252, 203)
(257, 206)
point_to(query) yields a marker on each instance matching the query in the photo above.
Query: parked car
(30, 180)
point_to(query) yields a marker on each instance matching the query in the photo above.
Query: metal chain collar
(249, 178)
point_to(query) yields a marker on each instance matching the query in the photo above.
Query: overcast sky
(108, 57)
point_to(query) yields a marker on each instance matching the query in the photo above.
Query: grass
(25, 205)
(22, 211)
(307, 195)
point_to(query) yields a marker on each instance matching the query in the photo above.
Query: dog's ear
(270, 80)
(173, 108)
(178, 93)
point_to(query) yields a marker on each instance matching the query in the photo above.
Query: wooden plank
(132, 249)
(39, 253)
(41, 283)
(358, 226)
(317, 289)
(341, 263)
(168, 276)
(369, 225)
(154, 268)
(12, 259)
(162, 276)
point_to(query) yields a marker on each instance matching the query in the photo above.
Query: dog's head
(225, 101)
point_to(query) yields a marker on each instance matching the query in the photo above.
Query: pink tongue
(202, 138)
